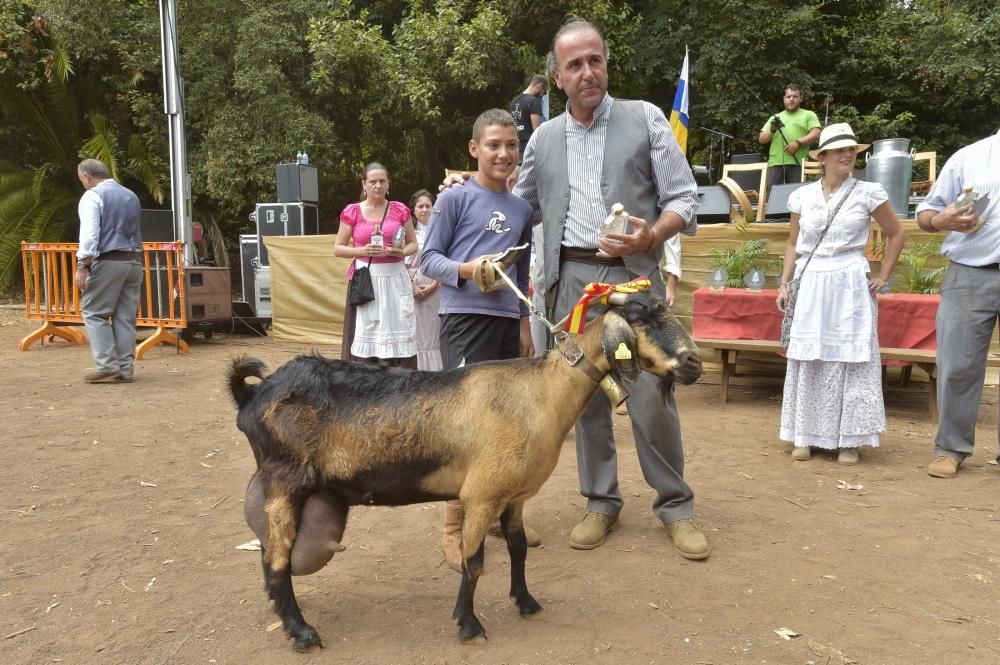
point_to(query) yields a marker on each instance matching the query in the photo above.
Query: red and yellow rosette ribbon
(600, 291)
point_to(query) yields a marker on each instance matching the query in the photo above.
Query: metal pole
(173, 107)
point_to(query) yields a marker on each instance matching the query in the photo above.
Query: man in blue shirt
(109, 272)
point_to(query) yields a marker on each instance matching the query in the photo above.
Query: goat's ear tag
(623, 352)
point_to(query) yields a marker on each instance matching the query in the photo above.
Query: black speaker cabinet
(248, 261)
(284, 219)
(298, 183)
(777, 201)
(157, 225)
(715, 204)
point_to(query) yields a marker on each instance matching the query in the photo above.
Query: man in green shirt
(790, 133)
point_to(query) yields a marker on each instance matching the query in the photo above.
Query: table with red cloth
(905, 320)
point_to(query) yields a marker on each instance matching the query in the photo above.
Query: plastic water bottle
(967, 198)
(615, 221)
(305, 158)
(298, 157)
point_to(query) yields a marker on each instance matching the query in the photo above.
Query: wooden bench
(922, 358)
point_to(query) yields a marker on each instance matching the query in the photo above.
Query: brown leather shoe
(101, 377)
(592, 531)
(944, 467)
(533, 537)
(688, 539)
(451, 535)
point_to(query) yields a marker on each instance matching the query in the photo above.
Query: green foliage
(921, 269)
(401, 81)
(752, 254)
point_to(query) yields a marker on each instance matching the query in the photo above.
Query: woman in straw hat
(833, 384)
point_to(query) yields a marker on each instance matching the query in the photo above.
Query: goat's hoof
(471, 632)
(305, 638)
(529, 608)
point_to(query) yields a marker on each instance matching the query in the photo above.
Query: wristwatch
(83, 266)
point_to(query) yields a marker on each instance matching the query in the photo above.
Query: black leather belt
(120, 255)
(988, 266)
(580, 255)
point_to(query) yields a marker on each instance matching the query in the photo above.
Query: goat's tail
(240, 369)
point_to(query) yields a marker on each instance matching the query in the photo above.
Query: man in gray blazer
(599, 152)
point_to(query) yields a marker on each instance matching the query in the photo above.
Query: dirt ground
(121, 509)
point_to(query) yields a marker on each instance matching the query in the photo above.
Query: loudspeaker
(715, 205)
(248, 261)
(157, 225)
(777, 201)
(207, 294)
(297, 183)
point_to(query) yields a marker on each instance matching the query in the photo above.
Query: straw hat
(837, 135)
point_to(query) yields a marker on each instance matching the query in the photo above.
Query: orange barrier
(51, 296)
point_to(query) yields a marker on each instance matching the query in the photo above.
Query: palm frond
(103, 144)
(62, 66)
(142, 166)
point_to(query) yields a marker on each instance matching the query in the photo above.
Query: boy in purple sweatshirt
(480, 219)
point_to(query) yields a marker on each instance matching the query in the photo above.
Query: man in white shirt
(109, 272)
(970, 293)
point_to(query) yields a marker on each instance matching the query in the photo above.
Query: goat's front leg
(517, 546)
(477, 519)
(283, 513)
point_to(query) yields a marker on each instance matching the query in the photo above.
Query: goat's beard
(666, 386)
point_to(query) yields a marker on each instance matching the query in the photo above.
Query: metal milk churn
(890, 163)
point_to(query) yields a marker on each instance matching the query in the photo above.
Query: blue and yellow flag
(679, 113)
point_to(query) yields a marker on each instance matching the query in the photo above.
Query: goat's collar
(589, 369)
(574, 355)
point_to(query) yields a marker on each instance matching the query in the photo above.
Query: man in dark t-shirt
(526, 109)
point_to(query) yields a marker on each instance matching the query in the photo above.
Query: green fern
(752, 254)
(918, 276)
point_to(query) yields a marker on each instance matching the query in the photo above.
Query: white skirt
(386, 327)
(833, 310)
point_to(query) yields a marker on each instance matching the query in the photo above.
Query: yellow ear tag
(622, 352)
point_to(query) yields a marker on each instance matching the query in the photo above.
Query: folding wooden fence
(51, 296)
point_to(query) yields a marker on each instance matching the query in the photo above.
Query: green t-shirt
(797, 125)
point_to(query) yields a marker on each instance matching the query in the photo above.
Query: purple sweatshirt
(469, 221)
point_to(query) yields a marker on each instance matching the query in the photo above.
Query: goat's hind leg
(517, 547)
(283, 514)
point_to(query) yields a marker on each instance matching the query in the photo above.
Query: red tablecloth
(905, 320)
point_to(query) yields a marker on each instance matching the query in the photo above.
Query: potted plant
(752, 254)
(919, 268)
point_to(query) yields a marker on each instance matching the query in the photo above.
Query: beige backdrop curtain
(308, 289)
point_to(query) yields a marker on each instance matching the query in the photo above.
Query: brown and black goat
(329, 435)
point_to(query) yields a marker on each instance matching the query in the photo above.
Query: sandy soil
(121, 508)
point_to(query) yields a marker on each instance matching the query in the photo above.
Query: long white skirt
(386, 327)
(834, 403)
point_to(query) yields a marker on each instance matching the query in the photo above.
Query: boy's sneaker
(944, 467)
(101, 377)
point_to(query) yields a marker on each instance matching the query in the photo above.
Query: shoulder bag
(793, 285)
(362, 291)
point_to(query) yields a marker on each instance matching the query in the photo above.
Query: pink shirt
(363, 228)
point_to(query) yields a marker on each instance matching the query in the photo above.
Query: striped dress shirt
(976, 165)
(585, 161)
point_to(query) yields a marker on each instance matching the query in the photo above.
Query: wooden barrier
(51, 296)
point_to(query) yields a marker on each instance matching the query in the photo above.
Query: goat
(328, 435)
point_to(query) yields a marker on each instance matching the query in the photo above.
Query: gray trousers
(655, 423)
(112, 291)
(970, 303)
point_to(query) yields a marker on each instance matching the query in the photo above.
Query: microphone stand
(711, 149)
(767, 110)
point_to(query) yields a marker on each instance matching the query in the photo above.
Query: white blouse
(849, 231)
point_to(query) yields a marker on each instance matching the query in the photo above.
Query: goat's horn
(617, 298)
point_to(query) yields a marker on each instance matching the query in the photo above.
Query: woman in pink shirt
(382, 331)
